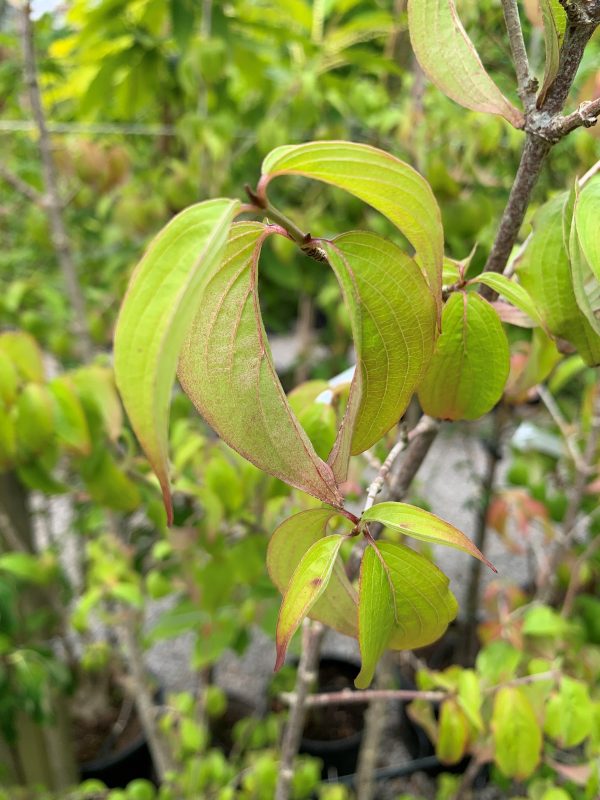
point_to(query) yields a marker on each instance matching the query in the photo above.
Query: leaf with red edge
(308, 583)
(227, 370)
(449, 58)
(337, 606)
(383, 181)
(163, 295)
(420, 524)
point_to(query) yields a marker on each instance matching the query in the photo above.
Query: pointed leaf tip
(158, 309)
(420, 524)
(307, 584)
(226, 369)
(449, 58)
(376, 613)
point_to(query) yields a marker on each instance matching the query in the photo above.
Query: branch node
(255, 198)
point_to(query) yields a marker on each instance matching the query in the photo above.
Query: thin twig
(374, 727)
(350, 696)
(552, 407)
(420, 440)
(592, 171)
(574, 581)
(142, 695)
(92, 129)
(541, 136)
(62, 245)
(493, 457)
(312, 634)
(585, 116)
(569, 526)
(526, 88)
(21, 186)
(377, 485)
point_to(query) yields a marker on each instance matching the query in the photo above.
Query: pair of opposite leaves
(193, 300)
(192, 307)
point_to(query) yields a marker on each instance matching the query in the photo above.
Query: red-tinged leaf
(393, 317)
(376, 614)
(161, 301)
(449, 58)
(420, 524)
(337, 606)
(226, 369)
(387, 184)
(308, 583)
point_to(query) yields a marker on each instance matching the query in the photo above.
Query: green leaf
(108, 484)
(420, 524)
(34, 423)
(387, 184)
(498, 662)
(226, 369)
(393, 319)
(96, 388)
(584, 251)
(9, 380)
(555, 23)
(26, 567)
(320, 423)
(544, 621)
(448, 57)
(376, 614)
(71, 423)
(470, 365)
(545, 273)
(513, 292)
(470, 697)
(541, 357)
(569, 713)
(565, 372)
(424, 604)
(23, 351)
(453, 733)
(159, 306)
(586, 215)
(308, 583)
(337, 606)
(516, 734)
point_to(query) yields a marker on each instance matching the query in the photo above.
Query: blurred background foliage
(154, 105)
(158, 104)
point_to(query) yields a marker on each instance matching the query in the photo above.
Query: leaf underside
(584, 251)
(307, 584)
(449, 58)
(226, 369)
(337, 606)
(160, 303)
(545, 272)
(389, 185)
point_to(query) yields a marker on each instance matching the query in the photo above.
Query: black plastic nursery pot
(221, 728)
(116, 770)
(334, 734)
(119, 762)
